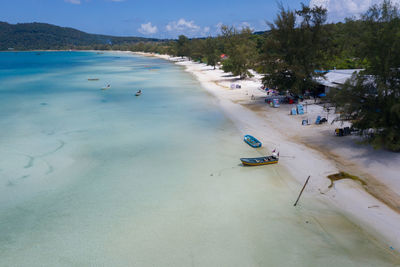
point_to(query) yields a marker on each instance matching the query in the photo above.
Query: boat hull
(259, 161)
(252, 141)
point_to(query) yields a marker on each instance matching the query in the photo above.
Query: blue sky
(160, 18)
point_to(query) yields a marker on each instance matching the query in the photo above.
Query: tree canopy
(372, 99)
(240, 49)
(295, 49)
(29, 36)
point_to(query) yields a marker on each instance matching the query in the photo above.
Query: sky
(164, 18)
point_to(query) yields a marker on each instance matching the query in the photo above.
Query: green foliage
(30, 36)
(182, 46)
(241, 51)
(291, 53)
(210, 51)
(197, 49)
(344, 45)
(372, 100)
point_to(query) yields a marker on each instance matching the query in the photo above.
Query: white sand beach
(314, 150)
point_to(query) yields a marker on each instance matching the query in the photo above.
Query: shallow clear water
(92, 177)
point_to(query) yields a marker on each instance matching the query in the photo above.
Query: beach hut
(334, 78)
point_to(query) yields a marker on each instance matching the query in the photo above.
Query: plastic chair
(318, 120)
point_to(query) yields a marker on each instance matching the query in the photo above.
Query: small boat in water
(93, 79)
(138, 93)
(252, 141)
(273, 159)
(107, 87)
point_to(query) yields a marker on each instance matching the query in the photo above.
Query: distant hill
(30, 36)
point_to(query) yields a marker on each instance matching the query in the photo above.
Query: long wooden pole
(301, 192)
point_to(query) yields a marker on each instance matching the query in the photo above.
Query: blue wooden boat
(252, 141)
(260, 161)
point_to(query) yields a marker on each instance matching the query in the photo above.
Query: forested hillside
(28, 36)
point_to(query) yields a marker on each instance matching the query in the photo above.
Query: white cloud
(188, 28)
(75, 2)
(147, 28)
(340, 9)
(182, 26)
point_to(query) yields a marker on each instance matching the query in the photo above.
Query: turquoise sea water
(92, 177)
